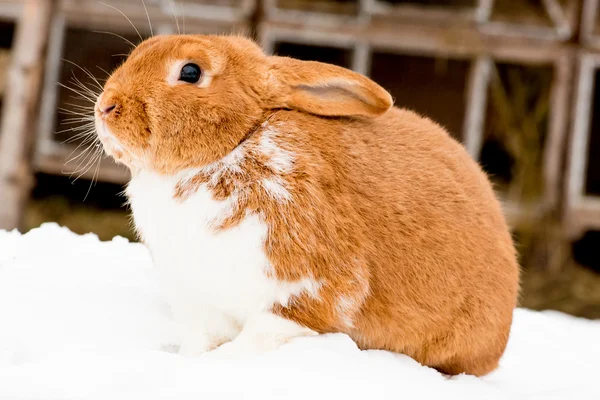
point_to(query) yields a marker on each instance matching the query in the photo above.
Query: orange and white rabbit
(282, 198)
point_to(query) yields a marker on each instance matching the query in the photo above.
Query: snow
(85, 319)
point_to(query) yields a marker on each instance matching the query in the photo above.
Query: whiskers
(126, 17)
(148, 16)
(88, 153)
(180, 29)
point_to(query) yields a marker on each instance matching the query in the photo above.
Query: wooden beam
(93, 14)
(20, 109)
(11, 9)
(558, 125)
(484, 11)
(410, 38)
(563, 24)
(477, 91)
(579, 212)
(4, 62)
(48, 105)
(432, 13)
(558, 17)
(582, 216)
(274, 12)
(212, 12)
(361, 58)
(588, 23)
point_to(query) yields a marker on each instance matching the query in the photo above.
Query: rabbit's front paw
(262, 333)
(193, 346)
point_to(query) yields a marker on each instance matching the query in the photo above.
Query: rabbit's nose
(107, 109)
(106, 103)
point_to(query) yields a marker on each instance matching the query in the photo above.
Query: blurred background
(514, 80)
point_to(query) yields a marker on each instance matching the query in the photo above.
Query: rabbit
(282, 198)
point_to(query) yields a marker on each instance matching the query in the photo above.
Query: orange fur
(385, 208)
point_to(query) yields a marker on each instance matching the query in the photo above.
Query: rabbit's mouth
(111, 144)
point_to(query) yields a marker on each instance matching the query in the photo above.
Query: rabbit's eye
(190, 73)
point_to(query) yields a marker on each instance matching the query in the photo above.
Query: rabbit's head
(184, 101)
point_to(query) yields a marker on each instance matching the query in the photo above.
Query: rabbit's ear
(324, 89)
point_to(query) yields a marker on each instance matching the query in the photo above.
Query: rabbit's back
(401, 209)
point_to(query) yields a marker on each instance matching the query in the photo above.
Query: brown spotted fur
(386, 208)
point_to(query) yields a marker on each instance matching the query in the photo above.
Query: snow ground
(84, 319)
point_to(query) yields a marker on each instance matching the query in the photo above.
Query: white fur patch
(346, 307)
(275, 186)
(214, 281)
(230, 163)
(288, 291)
(280, 160)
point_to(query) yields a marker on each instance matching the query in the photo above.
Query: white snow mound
(85, 319)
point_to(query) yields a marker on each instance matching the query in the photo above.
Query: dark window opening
(7, 31)
(432, 87)
(515, 128)
(592, 184)
(331, 55)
